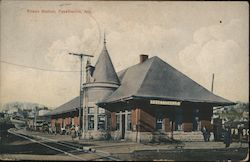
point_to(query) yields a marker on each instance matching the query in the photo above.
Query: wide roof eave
(217, 103)
(61, 112)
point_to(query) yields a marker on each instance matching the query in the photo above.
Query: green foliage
(238, 112)
(22, 105)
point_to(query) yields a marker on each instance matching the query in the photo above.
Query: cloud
(58, 53)
(65, 84)
(216, 50)
(48, 86)
(153, 40)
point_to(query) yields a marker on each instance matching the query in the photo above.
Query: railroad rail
(74, 147)
(46, 145)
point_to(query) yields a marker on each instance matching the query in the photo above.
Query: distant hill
(22, 106)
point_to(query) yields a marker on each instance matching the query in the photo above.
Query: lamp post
(80, 106)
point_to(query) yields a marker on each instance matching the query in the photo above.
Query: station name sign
(159, 102)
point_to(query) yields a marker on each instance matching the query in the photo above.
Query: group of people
(75, 131)
(227, 136)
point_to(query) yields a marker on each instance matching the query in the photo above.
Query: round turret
(103, 80)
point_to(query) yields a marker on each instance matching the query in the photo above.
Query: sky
(197, 38)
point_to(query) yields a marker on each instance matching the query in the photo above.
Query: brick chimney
(143, 58)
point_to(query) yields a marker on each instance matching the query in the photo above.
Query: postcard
(124, 80)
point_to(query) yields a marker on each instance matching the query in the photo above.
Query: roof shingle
(69, 106)
(154, 78)
(104, 69)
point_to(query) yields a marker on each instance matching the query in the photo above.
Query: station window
(178, 119)
(91, 122)
(101, 122)
(91, 110)
(101, 111)
(129, 125)
(117, 121)
(159, 121)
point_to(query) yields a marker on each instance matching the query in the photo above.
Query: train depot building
(140, 103)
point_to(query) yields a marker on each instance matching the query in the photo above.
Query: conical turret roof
(104, 69)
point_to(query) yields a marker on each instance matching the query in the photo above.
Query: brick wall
(113, 121)
(133, 119)
(146, 115)
(147, 120)
(76, 120)
(207, 124)
(187, 127)
(59, 121)
(53, 122)
(167, 124)
(67, 121)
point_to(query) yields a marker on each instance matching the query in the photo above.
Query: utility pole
(212, 88)
(80, 106)
(35, 114)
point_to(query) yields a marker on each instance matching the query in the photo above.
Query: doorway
(195, 119)
(178, 119)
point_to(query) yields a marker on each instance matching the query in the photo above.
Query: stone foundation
(95, 135)
(116, 135)
(189, 136)
(145, 137)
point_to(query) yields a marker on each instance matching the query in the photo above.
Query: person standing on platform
(73, 132)
(77, 130)
(227, 137)
(204, 133)
(208, 135)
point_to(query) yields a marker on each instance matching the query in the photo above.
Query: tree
(233, 113)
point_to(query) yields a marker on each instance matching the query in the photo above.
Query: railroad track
(67, 148)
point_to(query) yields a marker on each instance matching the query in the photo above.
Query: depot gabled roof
(69, 106)
(104, 69)
(155, 79)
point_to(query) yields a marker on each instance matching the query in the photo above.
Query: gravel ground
(192, 155)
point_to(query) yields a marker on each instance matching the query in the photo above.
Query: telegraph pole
(35, 114)
(80, 106)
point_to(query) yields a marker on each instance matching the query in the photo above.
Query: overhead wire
(52, 70)
(36, 68)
